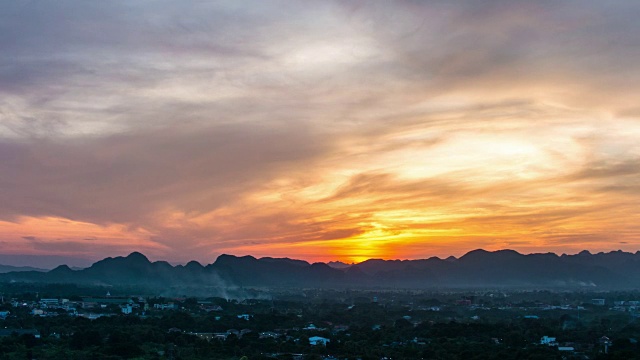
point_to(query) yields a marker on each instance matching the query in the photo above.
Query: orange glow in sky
(397, 130)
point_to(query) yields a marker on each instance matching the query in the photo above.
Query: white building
(318, 340)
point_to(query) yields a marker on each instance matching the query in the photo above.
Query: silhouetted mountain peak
(338, 265)
(62, 269)
(474, 254)
(295, 262)
(193, 265)
(137, 257)
(318, 265)
(484, 254)
(226, 258)
(507, 251)
(584, 253)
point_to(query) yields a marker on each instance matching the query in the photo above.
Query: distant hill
(476, 269)
(9, 268)
(338, 265)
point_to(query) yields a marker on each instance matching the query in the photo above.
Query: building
(318, 340)
(88, 303)
(546, 340)
(599, 302)
(169, 306)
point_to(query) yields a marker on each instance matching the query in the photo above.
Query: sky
(318, 130)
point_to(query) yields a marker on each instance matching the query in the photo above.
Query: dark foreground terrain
(44, 321)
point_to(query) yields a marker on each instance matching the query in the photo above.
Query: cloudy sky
(319, 130)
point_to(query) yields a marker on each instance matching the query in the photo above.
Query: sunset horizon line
(90, 262)
(592, 252)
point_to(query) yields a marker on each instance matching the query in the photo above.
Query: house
(127, 309)
(220, 336)
(49, 302)
(546, 340)
(566, 348)
(318, 340)
(244, 316)
(169, 306)
(4, 314)
(599, 302)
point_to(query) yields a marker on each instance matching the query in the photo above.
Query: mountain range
(9, 268)
(476, 269)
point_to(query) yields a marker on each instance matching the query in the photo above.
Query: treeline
(130, 337)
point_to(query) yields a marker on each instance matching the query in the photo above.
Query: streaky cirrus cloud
(320, 130)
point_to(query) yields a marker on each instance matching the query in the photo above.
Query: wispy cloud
(330, 130)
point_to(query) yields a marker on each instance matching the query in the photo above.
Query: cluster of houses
(218, 335)
(627, 306)
(630, 306)
(95, 307)
(222, 336)
(604, 343)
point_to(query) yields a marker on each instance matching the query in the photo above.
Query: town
(320, 324)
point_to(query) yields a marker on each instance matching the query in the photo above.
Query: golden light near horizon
(333, 131)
